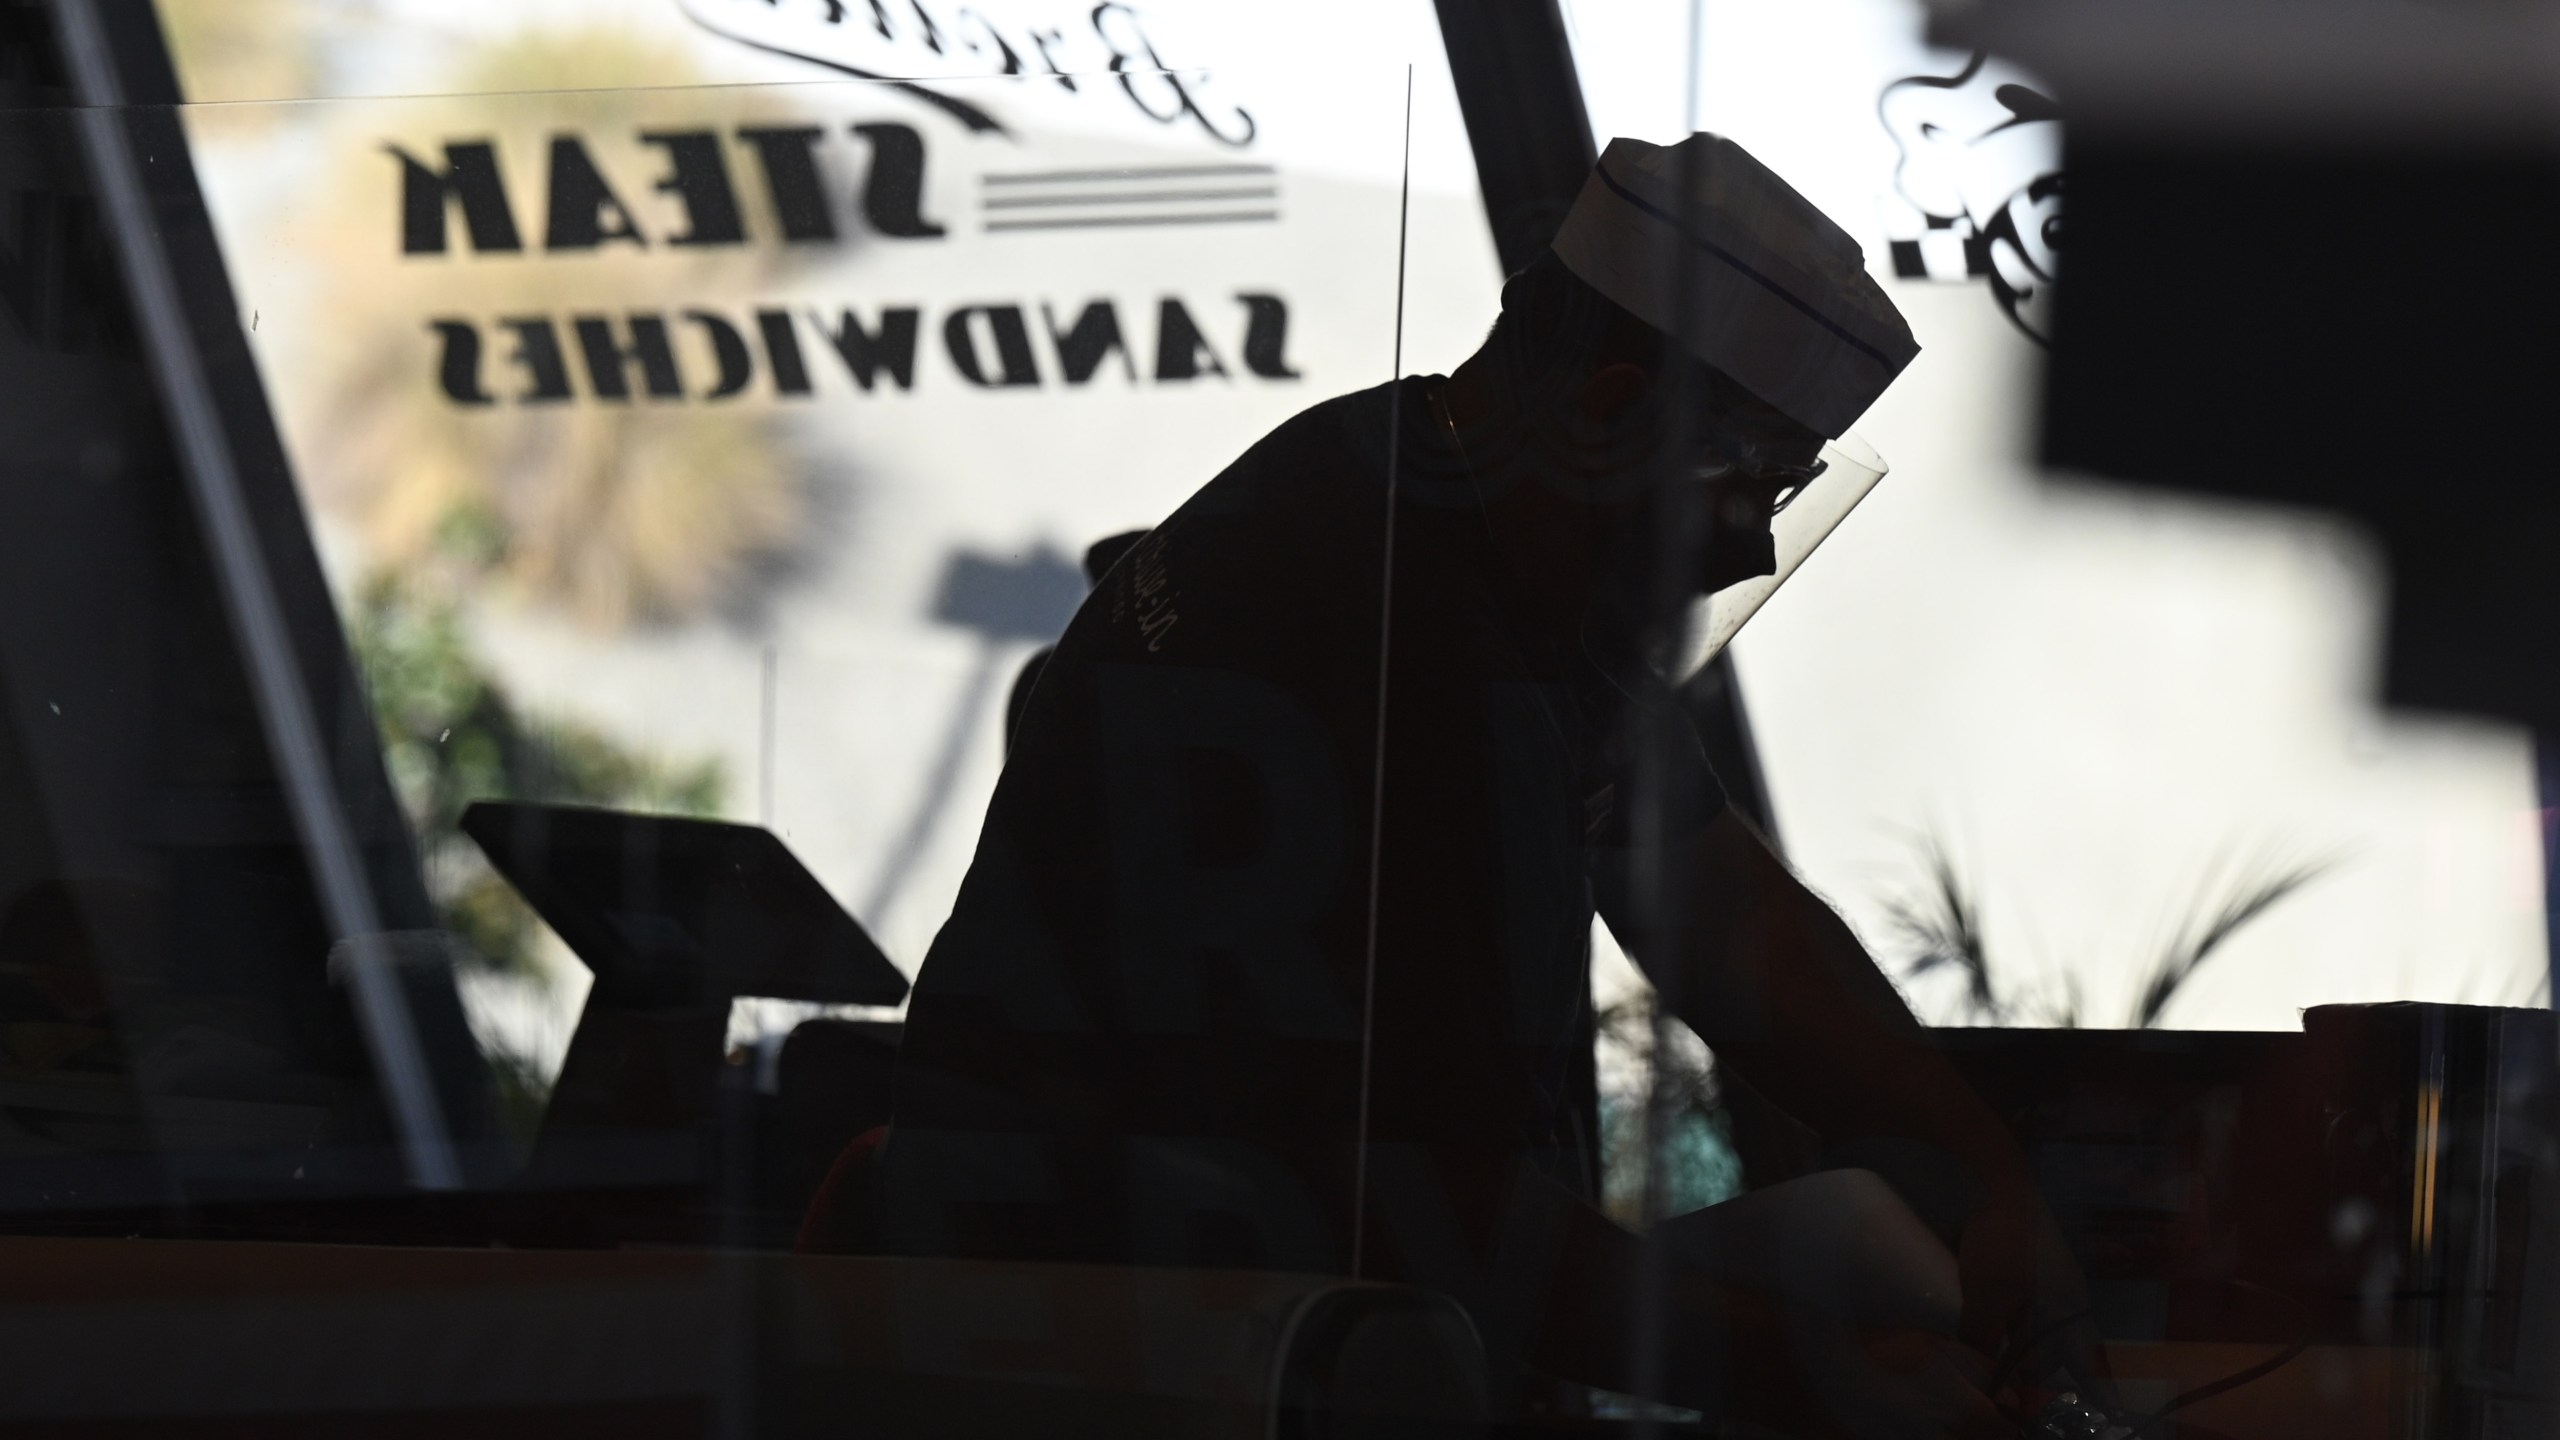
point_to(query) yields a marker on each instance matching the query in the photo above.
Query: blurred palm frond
(233, 50)
(1942, 931)
(1945, 930)
(2254, 894)
(611, 515)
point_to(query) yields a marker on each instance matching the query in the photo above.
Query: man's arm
(1775, 982)
(1780, 988)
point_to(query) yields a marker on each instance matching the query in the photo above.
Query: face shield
(1849, 473)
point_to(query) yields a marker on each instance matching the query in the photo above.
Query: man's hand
(2025, 1303)
(1927, 1387)
(1780, 987)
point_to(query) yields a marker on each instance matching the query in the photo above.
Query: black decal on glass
(1224, 817)
(1041, 40)
(893, 195)
(538, 351)
(789, 159)
(1182, 352)
(1266, 337)
(978, 121)
(1013, 345)
(470, 180)
(866, 353)
(585, 213)
(932, 32)
(1134, 58)
(1082, 347)
(608, 359)
(1010, 62)
(698, 176)
(737, 364)
(459, 373)
(1975, 195)
(782, 352)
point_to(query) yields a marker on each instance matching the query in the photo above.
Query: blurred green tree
(451, 735)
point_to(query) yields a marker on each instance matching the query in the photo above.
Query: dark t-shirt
(1202, 952)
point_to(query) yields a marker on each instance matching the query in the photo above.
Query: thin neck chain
(1439, 399)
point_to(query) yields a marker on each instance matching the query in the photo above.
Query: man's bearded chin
(1636, 624)
(1732, 556)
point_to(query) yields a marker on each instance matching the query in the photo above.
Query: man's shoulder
(1306, 458)
(1273, 561)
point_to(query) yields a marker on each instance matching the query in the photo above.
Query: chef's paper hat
(1743, 271)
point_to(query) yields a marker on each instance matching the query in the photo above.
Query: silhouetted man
(1274, 950)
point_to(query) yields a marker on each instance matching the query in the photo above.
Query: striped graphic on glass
(1131, 196)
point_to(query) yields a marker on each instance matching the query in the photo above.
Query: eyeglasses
(1785, 482)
